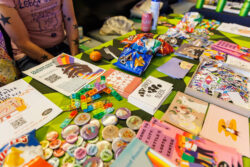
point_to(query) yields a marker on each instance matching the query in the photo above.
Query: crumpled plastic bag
(117, 25)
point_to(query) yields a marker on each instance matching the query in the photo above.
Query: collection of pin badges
(81, 143)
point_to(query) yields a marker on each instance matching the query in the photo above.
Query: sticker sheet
(217, 80)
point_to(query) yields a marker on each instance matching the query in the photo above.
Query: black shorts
(26, 62)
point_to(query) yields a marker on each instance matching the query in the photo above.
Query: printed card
(123, 83)
(150, 94)
(65, 74)
(175, 68)
(227, 128)
(186, 112)
(22, 109)
(189, 51)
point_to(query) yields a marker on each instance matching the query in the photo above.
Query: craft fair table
(179, 85)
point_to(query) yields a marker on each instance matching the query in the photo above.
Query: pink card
(227, 128)
(123, 83)
(165, 140)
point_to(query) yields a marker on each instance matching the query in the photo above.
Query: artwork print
(186, 112)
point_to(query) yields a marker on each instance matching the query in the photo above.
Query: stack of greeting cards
(150, 94)
(186, 112)
(123, 83)
(175, 68)
(227, 128)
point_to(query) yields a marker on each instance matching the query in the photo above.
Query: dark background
(91, 14)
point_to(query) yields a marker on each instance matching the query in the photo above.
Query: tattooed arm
(71, 26)
(14, 26)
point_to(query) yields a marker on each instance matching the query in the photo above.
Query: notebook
(186, 112)
(227, 128)
(175, 68)
(150, 94)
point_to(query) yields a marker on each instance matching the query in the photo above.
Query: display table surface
(179, 85)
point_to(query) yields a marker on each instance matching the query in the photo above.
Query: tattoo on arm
(45, 57)
(4, 20)
(75, 26)
(76, 41)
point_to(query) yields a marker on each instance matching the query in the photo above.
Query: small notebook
(150, 94)
(189, 51)
(227, 128)
(186, 112)
(123, 83)
(175, 68)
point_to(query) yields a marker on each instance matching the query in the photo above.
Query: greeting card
(175, 68)
(186, 112)
(150, 94)
(123, 83)
(227, 128)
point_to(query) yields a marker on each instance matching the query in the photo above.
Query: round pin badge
(93, 161)
(80, 153)
(101, 145)
(47, 153)
(67, 165)
(53, 135)
(108, 164)
(119, 151)
(110, 132)
(127, 134)
(77, 165)
(79, 141)
(134, 122)
(55, 144)
(89, 131)
(123, 113)
(91, 149)
(106, 155)
(71, 150)
(117, 143)
(70, 129)
(44, 144)
(109, 119)
(66, 146)
(95, 122)
(58, 152)
(93, 141)
(81, 161)
(72, 138)
(54, 161)
(67, 159)
(82, 119)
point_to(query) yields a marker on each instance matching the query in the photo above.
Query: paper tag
(236, 98)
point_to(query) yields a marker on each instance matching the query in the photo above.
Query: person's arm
(15, 28)
(71, 26)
